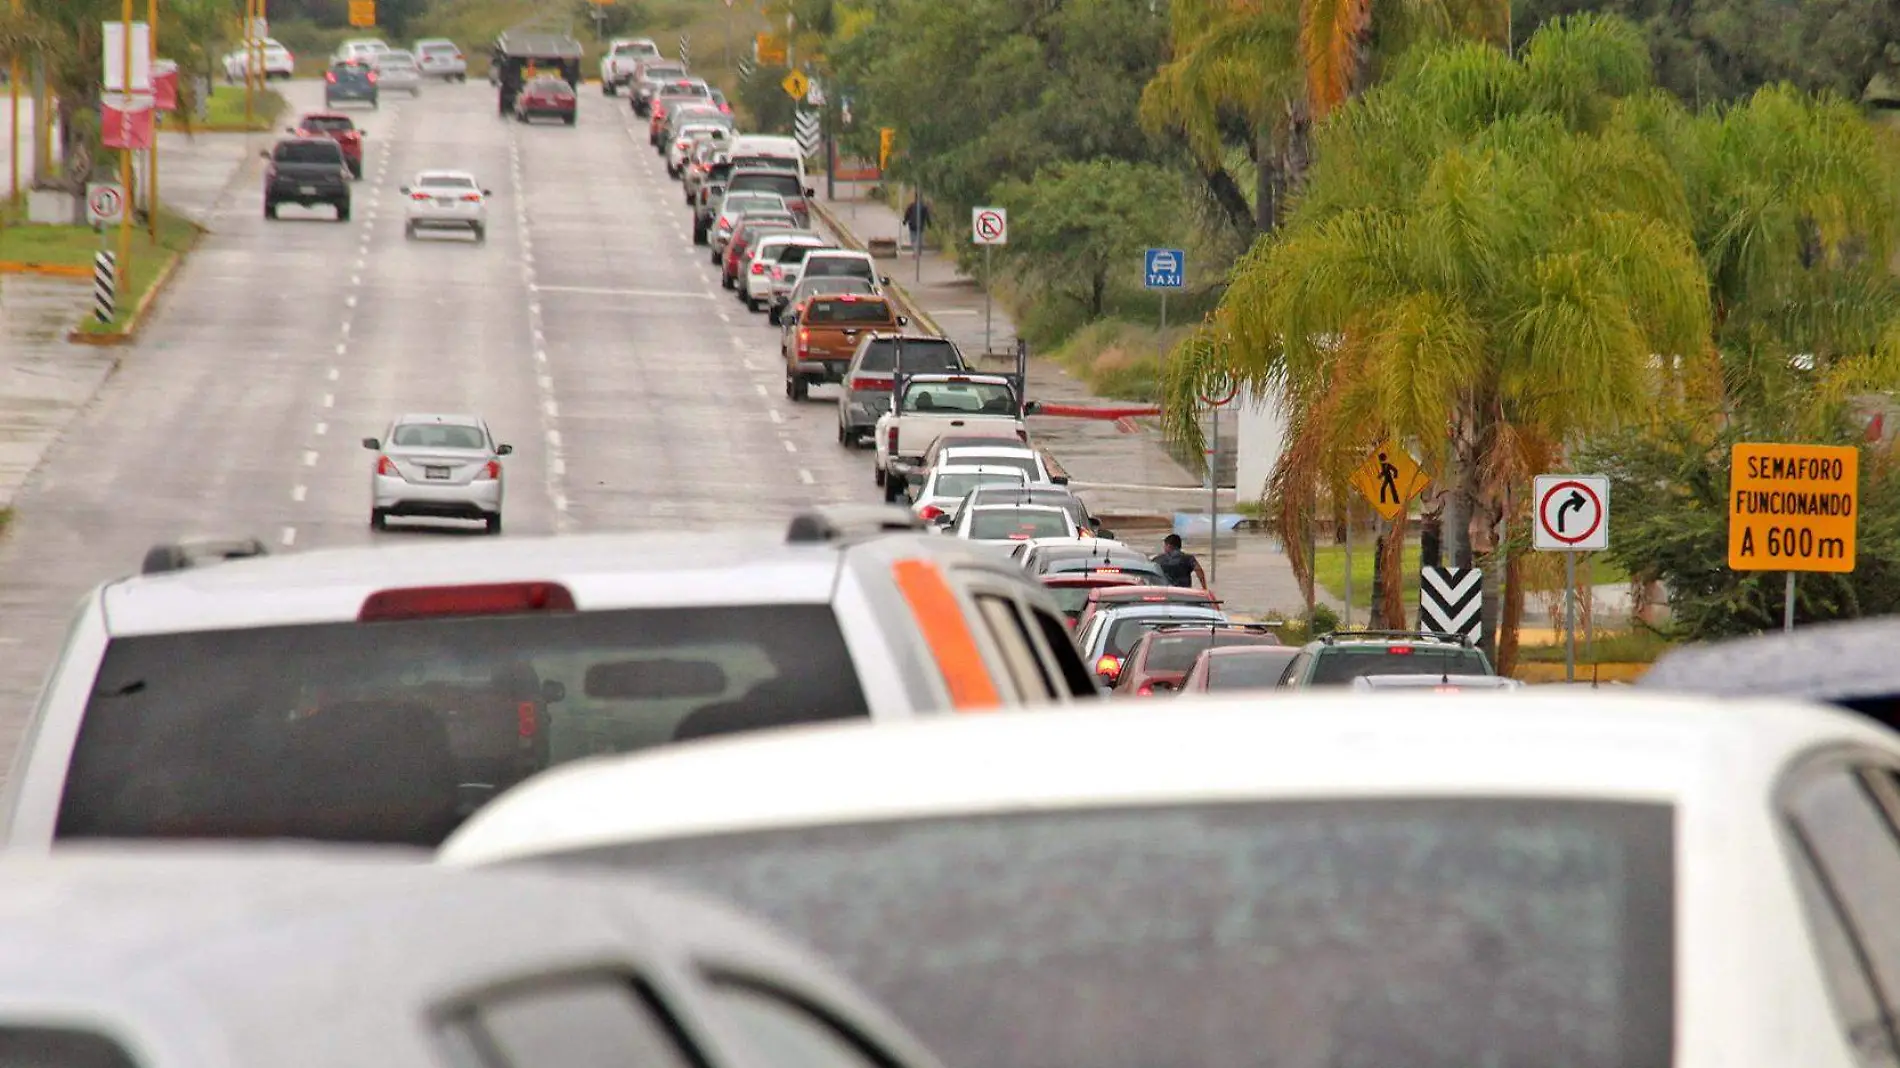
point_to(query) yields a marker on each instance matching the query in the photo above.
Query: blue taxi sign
(1164, 268)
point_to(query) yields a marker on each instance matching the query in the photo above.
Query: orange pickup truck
(819, 337)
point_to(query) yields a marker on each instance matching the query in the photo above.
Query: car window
(312, 151)
(1854, 845)
(1177, 652)
(783, 1032)
(785, 184)
(447, 181)
(393, 731)
(327, 123)
(1340, 664)
(1016, 524)
(1252, 669)
(921, 355)
(1123, 633)
(987, 397)
(1011, 637)
(1844, 966)
(1060, 648)
(588, 1023)
(960, 485)
(834, 266)
(59, 1047)
(825, 310)
(814, 286)
(1422, 932)
(439, 436)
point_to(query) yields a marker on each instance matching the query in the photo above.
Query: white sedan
(446, 200)
(278, 62)
(1515, 878)
(948, 484)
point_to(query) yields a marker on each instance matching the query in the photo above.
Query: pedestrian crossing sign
(1389, 478)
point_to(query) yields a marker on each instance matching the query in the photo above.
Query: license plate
(446, 202)
(307, 190)
(435, 472)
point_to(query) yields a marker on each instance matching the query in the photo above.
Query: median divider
(129, 332)
(51, 270)
(904, 300)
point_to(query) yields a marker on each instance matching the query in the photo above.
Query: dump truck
(522, 53)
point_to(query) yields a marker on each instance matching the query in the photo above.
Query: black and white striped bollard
(105, 287)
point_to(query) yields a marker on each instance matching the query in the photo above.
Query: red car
(337, 128)
(546, 98)
(1071, 589)
(1161, 658)
(744, 236)
(1125, 594)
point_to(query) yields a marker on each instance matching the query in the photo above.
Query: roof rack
(840, 521)
(1401, 635)
(1217, 625)
(188, 553)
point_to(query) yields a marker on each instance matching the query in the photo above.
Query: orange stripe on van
(939, 616)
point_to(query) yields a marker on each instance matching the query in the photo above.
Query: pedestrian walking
(1179, 568)
(916, 220)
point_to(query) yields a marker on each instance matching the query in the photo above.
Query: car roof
(328, 115)
(981, 469)
(1826, 661)
(1135, 594)
(980, 507)
(443, 418)
(424, 176)
(1610, 746)
(240, 949)
(1252, 649)
(1103, 545)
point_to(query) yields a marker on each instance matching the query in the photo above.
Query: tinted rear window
(921, 356)
(327, 124)
(769, 163)
(1407, 932)
(839, 267)
(1124, 633)
(1342, 664)
(1254, 669)
(53, 1047)
(312, 151)
(362, 732)
(1016, 524)
(818, 286)
(826, 310)
(1177, 652)
(785, 184)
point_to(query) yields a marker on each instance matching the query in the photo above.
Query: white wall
(1262, 429)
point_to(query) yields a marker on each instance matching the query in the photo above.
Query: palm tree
(1483, 265)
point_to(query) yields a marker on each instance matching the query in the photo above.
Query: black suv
(351, 81)
(1342, 656)
(307, 171)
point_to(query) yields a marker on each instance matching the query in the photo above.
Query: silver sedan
(437, 466)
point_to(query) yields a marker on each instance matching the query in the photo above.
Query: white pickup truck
(925, 407)
(617, 63)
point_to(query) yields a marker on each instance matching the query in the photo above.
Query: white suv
(239, 699)
(439, 57)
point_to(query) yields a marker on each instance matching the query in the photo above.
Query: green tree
(1076, 227)
(1483, 265)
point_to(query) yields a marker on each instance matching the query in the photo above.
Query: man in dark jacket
(1181, 569)
(916, 220)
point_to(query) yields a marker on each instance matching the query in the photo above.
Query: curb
(852, 241)
(51, 270)
(137, 320)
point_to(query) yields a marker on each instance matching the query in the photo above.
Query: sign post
(1571, 516)
(105, 203)
(989, 227)
(128, 67)
(1164, 269)
(1793, 508)
(1217, 394)
(1388, 478)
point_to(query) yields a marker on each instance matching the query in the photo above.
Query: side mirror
(488, 192)
(504, 450)
(903, 320)
(884, 279)
(1031, 407)
(290, 129)
(1060, 480)
(263, 155)
(403, 189)
(943, 520)
(552, 690)
(372, 443)
(810, 192)
(362, 133)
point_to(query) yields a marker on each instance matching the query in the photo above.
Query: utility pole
(151, 159)
(250, 94)
(125, 154)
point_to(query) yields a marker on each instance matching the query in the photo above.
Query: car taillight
(458, 55)
(1144, 690)
(418, 195)
(329, 76)
(1110, 666)
(870, 384)
(472, 198)
(929, 511)
(525, 721)
(386, 466)
(371, 76)
(757, 267)
(804, 342)
(890, 440)
(505, 598)
(490, 471)
(778, 274)
(1399, 650)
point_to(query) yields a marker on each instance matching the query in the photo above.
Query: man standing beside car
(1180, 569)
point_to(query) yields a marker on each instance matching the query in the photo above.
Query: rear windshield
(1070, 599)
(395, 59)
(829, 310)
(49, 1047)
(393, 732)
(1340, 664)
(1405, 932)
(447, 181)
(1134, 571)
(309, 152)
(846, 284)
(990, 398)
(839, 267)
(431, 49)
(1124, 633)
(769, 163)
(1252, 670)
(685, 91)
(439, 436)
(792, 252)
(1025, 464)
(1016, 524)
(350, 72)
(921, 355)
(784, 183)
(959, 486)
(327, 123)
(1176, 652)
(659, 72)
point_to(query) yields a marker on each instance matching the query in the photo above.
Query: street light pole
(126, 187)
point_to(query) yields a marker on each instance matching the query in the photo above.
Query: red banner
(165, 85)
(126, 122)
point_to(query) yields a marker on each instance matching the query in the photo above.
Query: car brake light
(930, 511)
(804, 340)
(890, 440)
(1399, 650)
(848, 298)
(329, 76)
(418, 195)
(472, 198)
(505, 598)
(386, 466)
(490, 471)
(458, 55)
(757, 267)
(1144, 690)
(1109, 665)
(371, 76)
(870, 384)
(525, 724)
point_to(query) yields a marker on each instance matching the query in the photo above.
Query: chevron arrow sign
(808, 130)
(1450, 601)
(745, 69)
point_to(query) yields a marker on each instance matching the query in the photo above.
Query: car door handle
(956, 422)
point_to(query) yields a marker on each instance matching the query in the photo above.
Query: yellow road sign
(1389, 479)
(1793, 507)
(768, 49)
(886, 140)
(362, 12)
(796, 85)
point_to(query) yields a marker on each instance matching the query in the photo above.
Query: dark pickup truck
(307, 171)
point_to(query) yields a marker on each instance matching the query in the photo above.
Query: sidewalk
(44, 380)
(1116, 466)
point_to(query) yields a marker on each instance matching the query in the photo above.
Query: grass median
(225, 112)
(1329, 569)
(75, 246)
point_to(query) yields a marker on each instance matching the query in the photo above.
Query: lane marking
(805, 476)
(350, 301)
(560, 502)
(322, 429)
(297, 493)
(554, 438)
(549, 406)
(558, 466)
(341, 348)
(309, 458)
(775, 415)
(329, 400)
(289, 536)
(763, 392)
(789, 445)
(332, 375)
(346, 328)
(540, 356)
(661, 294)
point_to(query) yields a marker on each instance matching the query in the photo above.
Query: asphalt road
(588, 331)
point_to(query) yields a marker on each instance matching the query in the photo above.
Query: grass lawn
(75, 246)
(226, 108)
(1609, 647)
(1330, 571)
